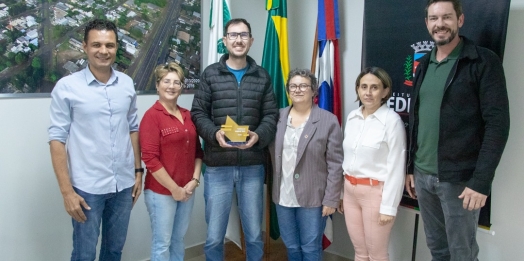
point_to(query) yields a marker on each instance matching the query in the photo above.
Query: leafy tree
(182, 47)
(122, 20)
(191, 8)
(20, 58)
(38, 73)
(59, 31)
(36, 63)
(13, 35)
(17, 9)
(124, 60)
(159, 3)
(98, 13)
(38, 76)
(145, 16)
(33, 47)
(136, 33)
(18, 82)
(54, 77)
(3, 83)
(23, 74)
(30, 81)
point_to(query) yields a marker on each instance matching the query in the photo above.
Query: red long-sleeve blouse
(167, 142)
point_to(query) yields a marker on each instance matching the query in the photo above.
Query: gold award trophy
(236, 134)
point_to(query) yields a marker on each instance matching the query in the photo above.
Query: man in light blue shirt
(94, 146)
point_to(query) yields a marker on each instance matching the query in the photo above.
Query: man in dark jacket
(236, 87)
(459, 125)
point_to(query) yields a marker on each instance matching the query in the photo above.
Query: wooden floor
(277, 253)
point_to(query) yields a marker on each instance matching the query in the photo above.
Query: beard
(440, 42)
(237, 55)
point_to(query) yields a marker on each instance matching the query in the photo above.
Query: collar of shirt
(158, 106)
(452, 56)
(381, 113)
(289, 124)
(90, 78)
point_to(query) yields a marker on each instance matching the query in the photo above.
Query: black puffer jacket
(252, 103)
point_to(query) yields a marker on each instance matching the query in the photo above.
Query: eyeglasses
(175, 84)
(303, 87)
(234, 35)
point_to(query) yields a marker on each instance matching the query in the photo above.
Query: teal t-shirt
(430, 99)
(238, 73)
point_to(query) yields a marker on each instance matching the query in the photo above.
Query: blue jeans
(112, 210)
(169, 223)
(450, 229)
(219, 184)
(301, 230)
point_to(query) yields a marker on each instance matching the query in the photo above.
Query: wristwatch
(139, 170)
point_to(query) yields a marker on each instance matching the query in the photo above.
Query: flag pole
(315, 51)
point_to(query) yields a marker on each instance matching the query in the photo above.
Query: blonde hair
(162, 70)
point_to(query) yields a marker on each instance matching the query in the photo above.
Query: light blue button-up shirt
(94, 120)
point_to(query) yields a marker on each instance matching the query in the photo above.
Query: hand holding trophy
(236, 134)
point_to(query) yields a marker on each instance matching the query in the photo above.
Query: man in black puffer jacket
(236, 87)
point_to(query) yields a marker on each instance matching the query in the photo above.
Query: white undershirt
(288, 198)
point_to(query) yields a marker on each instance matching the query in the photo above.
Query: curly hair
(306, 74)
(99, 25)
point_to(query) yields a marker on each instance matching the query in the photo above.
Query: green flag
(275, 60)
(219, 15)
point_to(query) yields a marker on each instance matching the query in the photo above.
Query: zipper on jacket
(445, 89)
(412, 128)
(239, 113)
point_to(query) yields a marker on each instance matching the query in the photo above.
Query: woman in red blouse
(173, 157)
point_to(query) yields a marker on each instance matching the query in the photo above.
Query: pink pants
(361, 211)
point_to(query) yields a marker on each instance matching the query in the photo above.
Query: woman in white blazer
(374, 166)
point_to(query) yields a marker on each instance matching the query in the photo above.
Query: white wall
(33, 222)
(34, 225)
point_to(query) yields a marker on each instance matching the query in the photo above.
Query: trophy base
(236, 143)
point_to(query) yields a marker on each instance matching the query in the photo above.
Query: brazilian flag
(275, 60)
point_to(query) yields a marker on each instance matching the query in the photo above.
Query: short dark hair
(456, 5)
(99, 25)
(381, 74)
(237, 21)
(306, 74)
